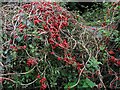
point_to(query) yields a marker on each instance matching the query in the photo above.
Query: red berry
(111, 52)
(103, 24)
(31, 61)
(79, 66)
(43, 87)
(43, 80)
(38, 76)
(52, 53)
(118, 62)
(11, 41)
(1, 80)
(58, 38)
(112, 59)
(24, 47)
(37, 22)
(25, 37)
(58, 58)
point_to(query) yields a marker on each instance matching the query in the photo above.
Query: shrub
(48, 47)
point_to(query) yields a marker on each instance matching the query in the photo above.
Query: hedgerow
(45, 46)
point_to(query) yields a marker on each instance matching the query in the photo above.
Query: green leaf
(69, 84)
(102, 48)
(118, 7)
(33, 50)
(6, 52)
(108, 21)
(88, 83)
(85, 85)
(14, 55)
(31, 46)
(93, 64)
(26, 68)
(19, 39)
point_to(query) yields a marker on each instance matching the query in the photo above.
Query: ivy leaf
(94, 63)
(26, 68)
(31, 46)
(9, 58)
(118, 7)
(6, 52)
(19, 39)
(85, 85)
(88, 83)
(102, 48)
(69, 85)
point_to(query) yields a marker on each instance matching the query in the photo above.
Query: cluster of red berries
(42, 82)
(113, 59)
(31, 61)
(50, 18)
(43, 85)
